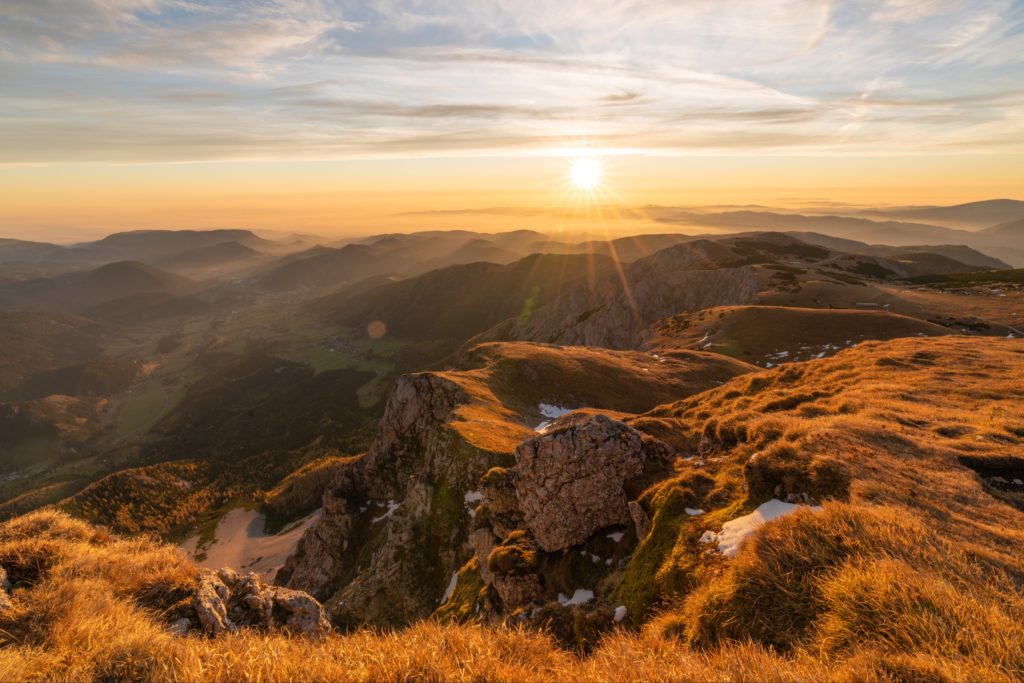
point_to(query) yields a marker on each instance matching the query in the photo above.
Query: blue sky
(178, 80)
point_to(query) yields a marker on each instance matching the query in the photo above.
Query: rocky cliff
(400, 522)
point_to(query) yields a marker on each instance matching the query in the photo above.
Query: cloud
(172, 80)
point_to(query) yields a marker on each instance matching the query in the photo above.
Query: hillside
(82, 290)
(215, 257)
(972, 214)
(32, 342)
(894, 559)
(396, 523)
(773, 335)
(451, 304)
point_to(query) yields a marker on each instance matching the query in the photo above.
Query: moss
(518, 555)
(663, 563)
(469, 599)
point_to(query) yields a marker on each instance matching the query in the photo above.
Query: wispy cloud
(172, 80)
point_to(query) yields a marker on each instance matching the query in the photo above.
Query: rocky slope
(601, 516)
(396, 523)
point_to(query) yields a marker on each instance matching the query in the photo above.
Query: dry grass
(913, 570)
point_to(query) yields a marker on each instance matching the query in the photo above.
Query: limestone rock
(224, 601)
(641, 520)
(483, 541)
(572, 482)
(210, 605)
(518, 591)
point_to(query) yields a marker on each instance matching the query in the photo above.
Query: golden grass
(912, 571)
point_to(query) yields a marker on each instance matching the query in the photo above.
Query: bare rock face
(320, 554)
(572, 482)
(615, 314)
(518, 591)
(396, 524)
(223, 602)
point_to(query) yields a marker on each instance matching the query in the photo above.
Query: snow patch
(735, 531)
(620, 613)
(451, 588)
(392, 506)
(472, 497)
(580, 597)
(552, 413)
(693, 512)
(615, 536)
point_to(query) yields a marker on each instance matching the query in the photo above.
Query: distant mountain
(957, 256)
(454, 303)
(157, 245)
(220, 255)
(21, 251)
(970, 215)
(1009, 248)
(333, 268)
(81, 290)
(32, 342)
(398, 253)
(1011, 230)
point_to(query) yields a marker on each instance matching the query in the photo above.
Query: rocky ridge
(400, 522)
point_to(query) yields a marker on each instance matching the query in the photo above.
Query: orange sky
(80, 201)
(333, 117)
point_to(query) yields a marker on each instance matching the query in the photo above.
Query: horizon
(345, 119)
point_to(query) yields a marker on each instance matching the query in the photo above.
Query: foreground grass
(912, 570)
(87, 606)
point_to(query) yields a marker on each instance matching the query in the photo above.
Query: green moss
(665, 563)
(468, 599)
(517, 555)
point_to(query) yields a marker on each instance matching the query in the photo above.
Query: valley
(559, 439)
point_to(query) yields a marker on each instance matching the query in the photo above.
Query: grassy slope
(912, 570)
(757, 333)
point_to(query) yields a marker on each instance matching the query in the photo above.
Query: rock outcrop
(572, 482)
(224, 602)
(440, 483)
(395, 525)
(615, 314)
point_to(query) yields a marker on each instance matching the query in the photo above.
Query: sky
(348, 117)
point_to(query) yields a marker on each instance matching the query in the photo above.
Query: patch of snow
(392, 506)
(735, 531)
(580, 597)
(615, 536)
(1018, 482)
(594, 558)
(451, 588)
(620, 613)
(470, 498)
(693, 512)
(552, 413)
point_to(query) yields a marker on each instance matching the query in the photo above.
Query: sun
(586, 173)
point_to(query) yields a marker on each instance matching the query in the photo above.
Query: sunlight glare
(586, 173)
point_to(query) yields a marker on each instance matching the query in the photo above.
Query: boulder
(573, 481)
(224, 601)
(209, 603)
